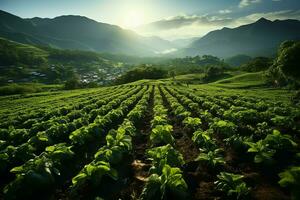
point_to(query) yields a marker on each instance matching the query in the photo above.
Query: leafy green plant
(248, 116)
(237, 141)
(59, 152)
(181, 112)
(283, 121)
(127, 128)
(192, 123)
(93, 173)
(164, 155)
(263, 153)
(224, 128)
(169, 183)
(159, 120)
(232, 184)
(118, 144)
(262, 129)
(135, 115)
(38, 174)
(119, 138)
(291, 178)
(279, 141)
(160, 110)
(162, 134)
(203, 139)
(35, 175)
(193, 106)
(212, 158)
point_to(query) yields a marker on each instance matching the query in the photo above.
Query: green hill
(244, 80)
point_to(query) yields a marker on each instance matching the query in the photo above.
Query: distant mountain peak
(263, 20)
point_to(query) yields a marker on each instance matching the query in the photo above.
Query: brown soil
(140, 165)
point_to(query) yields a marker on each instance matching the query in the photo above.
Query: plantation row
(38, 107)
(243, 140)
(151, 142)
(36, 155)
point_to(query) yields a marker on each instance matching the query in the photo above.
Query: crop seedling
(224, 128)
(291, 178)
(162, 134)
(232, 185)
(164, 155)
(212, 158)
(170, 182)
(192, 123)
(263, 153)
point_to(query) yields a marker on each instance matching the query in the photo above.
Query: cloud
(245, 3)
(168, 51)
(226, 11)
(183, 20)
(185, 26)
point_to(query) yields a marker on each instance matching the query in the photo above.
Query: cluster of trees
(285, 69)
(257, 64)
(196, 64)
(19, 89)
(213, 73)
(12, 55)
(238, 60)
(72, 55)
(142, 72)
(75, 83)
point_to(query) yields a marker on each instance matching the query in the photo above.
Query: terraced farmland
(148, 142)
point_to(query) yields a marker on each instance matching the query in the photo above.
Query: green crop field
(150, 100)
(150, 140)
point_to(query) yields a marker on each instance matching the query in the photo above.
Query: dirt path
(140, 165)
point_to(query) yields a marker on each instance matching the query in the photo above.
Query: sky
(169, 19)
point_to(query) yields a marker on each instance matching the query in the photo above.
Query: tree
(142, 72)
(212, 73)
(172, 74)
(285, 69)
(288, 59)
(73, 83)
(257, 64)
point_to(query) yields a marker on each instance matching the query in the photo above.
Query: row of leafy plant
(64, 120)
(166, 180)
(12, 156)
(29, 116)
(211, 156)
(107, 167)
(42, 174)
(37, 141)
(270, 148)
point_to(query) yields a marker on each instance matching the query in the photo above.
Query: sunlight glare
(133, 19)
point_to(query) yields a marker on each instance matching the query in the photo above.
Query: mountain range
(260, 38)
(77, 32)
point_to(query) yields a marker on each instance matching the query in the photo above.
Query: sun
(133, 19)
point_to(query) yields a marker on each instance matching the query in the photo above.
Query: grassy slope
(246, 84)
(245, 80)
(26, 48)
